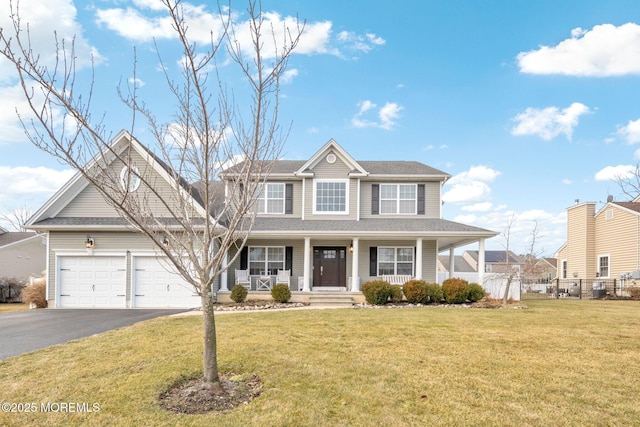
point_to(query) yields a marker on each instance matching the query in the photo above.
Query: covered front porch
(323, 264)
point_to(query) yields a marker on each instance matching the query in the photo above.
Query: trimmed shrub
(415, 291)
(281, 293)
(35, 294)
(434, 293)
(455, 290)
(476, 292)
(377, 292)
(239, 293)
(396, 293)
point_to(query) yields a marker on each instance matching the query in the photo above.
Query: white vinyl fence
(494, 283)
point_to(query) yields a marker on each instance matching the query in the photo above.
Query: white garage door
(92, 281)
(155, 286)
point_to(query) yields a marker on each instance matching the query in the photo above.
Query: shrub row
(453, 291)
(280, 293)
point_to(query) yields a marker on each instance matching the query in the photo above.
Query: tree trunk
(209, 356)
(505, 297)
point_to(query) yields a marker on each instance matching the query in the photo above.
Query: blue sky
(528, 105)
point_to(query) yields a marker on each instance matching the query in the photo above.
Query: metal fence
(575, 288)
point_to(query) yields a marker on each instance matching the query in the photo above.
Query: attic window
(130, 178)
(331, 158)
(609, 215)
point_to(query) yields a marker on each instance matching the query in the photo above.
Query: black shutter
(373, 261)
(288, 199)
(288, 259)
(375, 199)
(420, 199)
(244, 258)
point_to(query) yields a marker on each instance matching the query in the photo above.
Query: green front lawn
(556, 363)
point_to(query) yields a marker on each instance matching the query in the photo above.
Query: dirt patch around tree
(194, 396)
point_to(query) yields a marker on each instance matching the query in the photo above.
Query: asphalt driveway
(30, 330)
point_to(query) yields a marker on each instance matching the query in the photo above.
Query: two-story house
(334, 222)
(330, 222)
(602, 245)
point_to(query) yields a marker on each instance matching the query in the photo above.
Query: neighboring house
(331, 221)
(22, 254)
(601, 244)
(542, 269)
(494, 261)
(460, 264)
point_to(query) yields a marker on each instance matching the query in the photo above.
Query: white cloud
(136, 82)
(549, 122)
(605, 50)
(567, 181)
(22, 180)
(384, 118)
(470, 186)
(613, 173)
(362, 43)
(630, 132)
(43, 19)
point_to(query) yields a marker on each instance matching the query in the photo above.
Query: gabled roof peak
(326, 151)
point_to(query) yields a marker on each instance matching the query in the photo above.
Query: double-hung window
(393, 261)
(266, 260)
(271, 198)
(398, 199)
(331, 196)
(603, 266)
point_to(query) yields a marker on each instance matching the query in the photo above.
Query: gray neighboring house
(22, 255)
(329, 222)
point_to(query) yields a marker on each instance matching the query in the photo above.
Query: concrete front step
(331, 299)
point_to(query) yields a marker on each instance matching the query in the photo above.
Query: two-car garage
(100, 281)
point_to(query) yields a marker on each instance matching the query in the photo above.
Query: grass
(556, 363)
(11, 307)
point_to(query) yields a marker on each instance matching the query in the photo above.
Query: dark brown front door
(329, 266)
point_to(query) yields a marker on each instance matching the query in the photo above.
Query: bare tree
(510, 271)
(17, 216)
(630, 183)
(211, 129)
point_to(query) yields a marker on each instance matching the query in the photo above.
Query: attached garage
(92, 281)
(155, 285)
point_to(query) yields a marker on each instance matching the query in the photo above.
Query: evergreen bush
(239, 293)
(281, 293)
(455, 290)
(377, 292)
(476, 292)
(415, 291)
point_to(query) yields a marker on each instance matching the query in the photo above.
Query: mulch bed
(194, 396)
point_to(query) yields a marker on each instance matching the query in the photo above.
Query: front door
(329, 266)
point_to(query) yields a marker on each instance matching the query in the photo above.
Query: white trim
(265, 199)
(395, 259)
(398, 199)
(598, 258)
(346, 196)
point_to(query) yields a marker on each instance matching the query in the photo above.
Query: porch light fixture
(90, 243)
(351, 248)
(165, 242)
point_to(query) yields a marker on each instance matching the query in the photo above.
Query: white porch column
(419, 258)
(223, 276)
(452, 262)
(481, 262)
(355, 269)
(306, 287)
